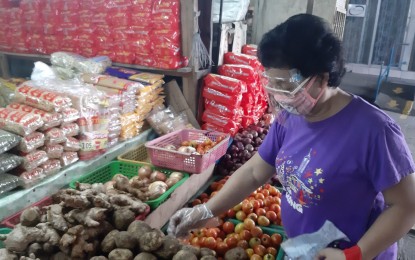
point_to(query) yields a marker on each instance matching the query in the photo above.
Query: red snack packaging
(71, 129)
(221, 97)
(170, 7)
(216, 119)
(69, 158)
(223, 110)
(225, 84)
(49, 119)
(54, 136)
(34, 159)
(70, 115)
(31, 142)
(31, 177)
(213, 127)
(39, 98)
(250, 49)
(51, 167)
(71, 145)
(241, 72)
(243, 59)
(19, 122)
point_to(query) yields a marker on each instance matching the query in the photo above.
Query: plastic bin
(280, 255)
(106, 172)
(4, 231)
(14, 219)
(192, 163)
(137, 155)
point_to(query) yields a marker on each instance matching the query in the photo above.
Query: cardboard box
(162, 214)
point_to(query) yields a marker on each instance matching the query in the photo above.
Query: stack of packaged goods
(45, 120)
(223, 103)
(142, 32)
(8, 161)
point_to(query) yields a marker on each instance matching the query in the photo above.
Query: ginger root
(55, 217)
(122, 218)
(123, 200)
(90, 217)
(21, 237)
(30, 217)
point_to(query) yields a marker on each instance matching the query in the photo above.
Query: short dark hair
(307, 43)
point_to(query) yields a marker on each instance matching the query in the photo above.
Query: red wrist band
(353, 253)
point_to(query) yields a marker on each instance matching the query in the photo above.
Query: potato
(169, 248)
(108, 244)
(138, 228)
(236, 253)
(150, 241)
(120, 254)
(99, 258)
(184, 255)
(208, 257)
(145, 256)
(206, 252)
(193, 249)
(122, 218)
(125, 240)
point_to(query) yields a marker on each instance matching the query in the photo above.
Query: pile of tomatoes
(230, 234)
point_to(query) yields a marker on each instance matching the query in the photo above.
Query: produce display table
(14, 201)
(161, 215)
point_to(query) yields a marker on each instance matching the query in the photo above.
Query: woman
(338, 157)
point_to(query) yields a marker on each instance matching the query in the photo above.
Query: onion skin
(158, 176)
(144, 172)
(176, 175)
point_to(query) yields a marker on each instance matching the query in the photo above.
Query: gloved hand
(187, 219)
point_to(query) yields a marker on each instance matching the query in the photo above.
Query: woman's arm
(394, 222)
(241, 184)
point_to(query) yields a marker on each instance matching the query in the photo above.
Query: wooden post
(4, 66)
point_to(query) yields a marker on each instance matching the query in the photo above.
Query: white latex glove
(187, 219)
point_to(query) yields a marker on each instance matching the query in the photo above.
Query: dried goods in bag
(71, 129)
(8, 182)
(71, 145)
(225, 84)
(9, 162)
(51, 167)
(70, 115)
(54, 136)
(54, 151)
(8, 141)
(18, 122)
(222, 97)
(34, 159)
(31, 142)
(49, 119)
(41, 99)
(69, 158)
(30, 178)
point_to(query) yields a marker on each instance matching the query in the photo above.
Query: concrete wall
(270, 13)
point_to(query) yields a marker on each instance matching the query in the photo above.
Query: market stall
(100, 146)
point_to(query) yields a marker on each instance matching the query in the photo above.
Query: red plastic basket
(192, 163)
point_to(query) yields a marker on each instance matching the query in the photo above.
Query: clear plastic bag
(9, 162)
(70, 115)
(69, 158)
(30, 178)
(71, 129)
(54, 136)
(31, 142)
(19, 122)
(8, 141)
(71, 145)
(49, 119)
(8, 182)
(51, 167)
(74, 61)
(34, 159)
(54, 151)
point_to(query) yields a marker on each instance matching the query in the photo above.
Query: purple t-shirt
(335, 169)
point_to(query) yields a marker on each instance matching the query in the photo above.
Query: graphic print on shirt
(301, 182)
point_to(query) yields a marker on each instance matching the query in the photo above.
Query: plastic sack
(8, 141)
(31, 142)
(222, 129)
(242, 72)
(225, 84)
(250, 49)
(243, 59)
(49, 119)
(30, 178)
(71, 145)
(111, 82)
(134, 75)
(51, 167)
(71, 129)
(70, 115)
(54, 136)
(69, 158)
(19, 122)
(8, 182)
(233, 10)
(213, 118)
(54, 151)
(41, 99)
(224, 98)
(9, 162)
(80, 63)
(34, 159)
(223, 110)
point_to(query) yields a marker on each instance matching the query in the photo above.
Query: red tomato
(256, 204)
(228, 227)
(265, 192)
(266, 240)
(260, 250)
(210, 242)
(259, 196)
(231, 241)
(267, 186)
(253, 216)
(263, 221)
(245, 235)
(240, 215)
(204, 195)
(272, 250)
(273, 191)
(256, 231)
(276, 239)
(243, 244)
(275, 208)
(247, 207)
(272, 216)
(249, 224)
(211, 232)
(231, 213)
(260, 212)
(196, 202)
(255, 257)
(221, 248)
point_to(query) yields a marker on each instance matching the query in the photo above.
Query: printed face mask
(290, 94)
